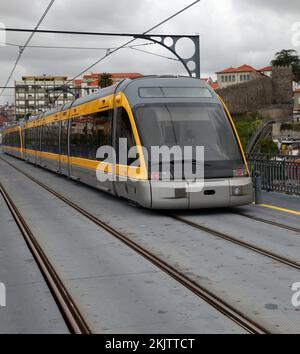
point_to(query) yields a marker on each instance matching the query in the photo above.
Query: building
(211, 82)
(36, 94)
(243, 73)
(117, 77)
(7, 114)
(232, 76)
(270, 96)
(296, 112)
(267, 70)
(90, 82)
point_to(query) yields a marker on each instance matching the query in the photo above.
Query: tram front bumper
(208, 194)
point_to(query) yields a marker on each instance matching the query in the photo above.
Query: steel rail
(223, 307)
(236, 241)
(266, 221)
(68, 308)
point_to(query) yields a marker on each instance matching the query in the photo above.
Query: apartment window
(229, 78)
(233, 78)
(222, 78)
(226, 78)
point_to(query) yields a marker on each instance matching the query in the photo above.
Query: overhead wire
(129, 42)
(26, 44)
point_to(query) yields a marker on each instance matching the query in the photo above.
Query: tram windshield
(191, 124)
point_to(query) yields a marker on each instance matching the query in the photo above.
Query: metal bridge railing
(278, 174)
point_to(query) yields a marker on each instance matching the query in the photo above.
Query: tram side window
(37, 137)
(64, 137)
(89, 132)
(78, 137)
(13, 139)
(44, 143)
(28, 138)
(50, 137)
(32, 138)
(53, 136)
(17, 139)
(101, 131)
(124, 130)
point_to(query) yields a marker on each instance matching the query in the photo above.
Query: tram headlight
(237, 191)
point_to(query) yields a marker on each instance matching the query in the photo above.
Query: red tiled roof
(215, 85)
(266, 68)
(91, 76)
(114, 75)
(93, 83)
(242, 68)
(228, 70)
(245, 68)
(126, 74)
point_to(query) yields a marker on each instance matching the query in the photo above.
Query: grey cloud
(232, 32)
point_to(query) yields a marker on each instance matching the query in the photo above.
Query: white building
(34, 94)
(232, 76)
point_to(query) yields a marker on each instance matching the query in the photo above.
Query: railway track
(236, 241)
(223, 307)
(73, 318)
(266, 221)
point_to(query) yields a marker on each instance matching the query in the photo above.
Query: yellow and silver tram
(148, 111)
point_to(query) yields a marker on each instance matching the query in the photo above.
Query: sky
(232, 33)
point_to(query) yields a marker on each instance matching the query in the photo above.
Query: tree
(288, 57)
(105, 80)
(268, 146)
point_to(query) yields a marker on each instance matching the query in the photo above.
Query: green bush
(246, 125)
(268, 146)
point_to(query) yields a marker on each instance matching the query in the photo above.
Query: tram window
(28, 138)
(64, 137)
(34, 139)
(50, 137)
(90, 132)
(150, 92)
(101, 131)
(44, 137)
(53, 137)
(13, 139)
(175, 92)
(124, 130)
(78, 137)
(38, 138)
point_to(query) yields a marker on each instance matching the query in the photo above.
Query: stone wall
(282, 81)
(262, 93)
